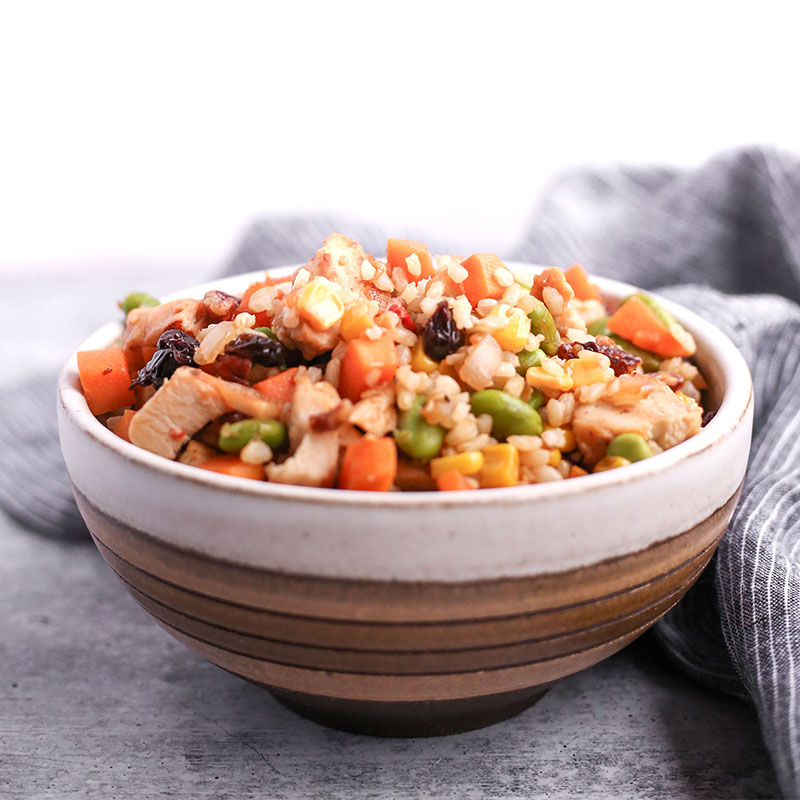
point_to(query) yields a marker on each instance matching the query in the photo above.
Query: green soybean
(510, 415)
(415, 436)
(542, 323)
(233, 436)
(536, 400)
(138, 300)
(528, 359)
(629, 445)
(266, 331)
(598, 327)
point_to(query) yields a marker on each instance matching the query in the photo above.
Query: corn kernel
(610, 462)
(554, 459)
(570, 442)
(319, 304)
(575, 471)
(468, 463)
(539, 378)
(514, 335)
(500, 466)
(685, 398)
(420, 361)
(585, 371)
(355, 320)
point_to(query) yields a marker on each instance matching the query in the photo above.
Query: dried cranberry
(259, 349)
(175, 348)
(405, 317)
(622, 362)
(440, 336)
(232, 368)
(221, 305)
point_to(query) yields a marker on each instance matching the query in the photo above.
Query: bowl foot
(409, 719)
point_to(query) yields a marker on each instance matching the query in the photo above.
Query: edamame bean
(542, 323)
(629, 445)
(415, 436)
(528, 359)
(138, 300)
(266, 331)
(650, 361)
(510, 415)
(598, 327)
(536, 400)
(233, 436)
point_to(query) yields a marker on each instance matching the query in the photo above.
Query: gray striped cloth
(725, 240)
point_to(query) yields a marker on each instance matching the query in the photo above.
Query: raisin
(707, 417)
(440, 336)
(175, 348)
(232, 368)
(259, 349)
(622, 362)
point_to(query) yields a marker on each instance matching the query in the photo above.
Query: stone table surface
(97, 701)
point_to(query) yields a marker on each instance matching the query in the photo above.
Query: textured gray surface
(96, 701)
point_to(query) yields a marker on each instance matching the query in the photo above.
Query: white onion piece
(214, 338)
(480, 365)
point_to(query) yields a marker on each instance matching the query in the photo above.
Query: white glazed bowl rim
(735, 401)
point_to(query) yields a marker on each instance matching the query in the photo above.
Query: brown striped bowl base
(403, 658)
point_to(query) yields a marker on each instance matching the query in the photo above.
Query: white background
(151, 132)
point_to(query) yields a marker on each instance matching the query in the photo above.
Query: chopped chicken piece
(196, 453)
(145, 325)
(313, 463)
(376, 413)
(636, 404)
(339, 260)
(566, 316)
(309, 400)
(186, 402)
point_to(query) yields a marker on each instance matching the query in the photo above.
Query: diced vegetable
(468, 463)
(233, 465)
(355, 320)
(453, 481)
(542, 323)
(528, 359)
(610, 462)
(500, 466)
(369, 465)
(413, 257)
(420, 361)
(480, 282)
(513, 335)
(415, 436)
(629, 445)
(510, 415)
(554, 459)
(366, 364)
(576, 472)
(319, 304)
(105, 380)
(579, 281)
(233, 436)
(479, 367)
(279, 387)
(636, 321)
(124, 423)
(138, 300)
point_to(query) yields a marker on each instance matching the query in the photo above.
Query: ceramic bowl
(411, 613)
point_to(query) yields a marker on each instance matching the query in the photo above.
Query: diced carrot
(366, 363)
(579, 281)
(233, 465)
(279, 387)
(262, 318)
(635, 321)
(480, 282)
(105, 379)
(122, 427)
(399, 250)
(369, 465)
(453, 481)
(575, 471)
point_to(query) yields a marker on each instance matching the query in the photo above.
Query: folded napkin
(710, 234)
